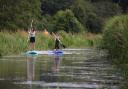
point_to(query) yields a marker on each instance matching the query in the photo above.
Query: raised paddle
(30, 28)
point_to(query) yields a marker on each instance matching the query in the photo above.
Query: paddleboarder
(32, 35)
(58, 43)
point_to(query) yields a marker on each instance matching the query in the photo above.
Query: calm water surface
(84, 69)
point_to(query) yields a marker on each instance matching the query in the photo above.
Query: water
(84, 69)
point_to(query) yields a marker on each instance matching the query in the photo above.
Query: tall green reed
(16, 43)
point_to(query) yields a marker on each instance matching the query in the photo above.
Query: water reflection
(30, 68)
(10, 85)
(52, 73)
(48, 71)
(56, 64)
(88, 71)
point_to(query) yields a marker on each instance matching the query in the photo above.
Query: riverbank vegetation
(115, 40)
(69, 17)
(90, 14)
(17, 43)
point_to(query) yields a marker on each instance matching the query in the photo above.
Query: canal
(82, 69)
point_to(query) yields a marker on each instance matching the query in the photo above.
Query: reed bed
(16, 43)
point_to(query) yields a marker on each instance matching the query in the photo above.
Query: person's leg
(57, 44)
(33, 46)
(30, 46)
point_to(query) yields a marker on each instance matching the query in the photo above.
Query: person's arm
(28, 35)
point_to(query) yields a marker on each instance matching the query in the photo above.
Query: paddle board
(49, 52)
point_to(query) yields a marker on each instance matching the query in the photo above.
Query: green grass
(16, 43)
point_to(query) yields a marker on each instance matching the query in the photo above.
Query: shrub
(66, 21)
(115, 38)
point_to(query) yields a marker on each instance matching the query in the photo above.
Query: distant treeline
(55, 15)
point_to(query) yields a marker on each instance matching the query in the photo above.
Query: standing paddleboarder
(32, 35)
(58, 43)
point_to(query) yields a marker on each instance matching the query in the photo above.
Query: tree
(66, 21)
(124, 5)
(16, 14)
(84, 11)
(115, 38)
(103, 10)
(52, 6)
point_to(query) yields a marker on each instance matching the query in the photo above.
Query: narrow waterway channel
(83, 69)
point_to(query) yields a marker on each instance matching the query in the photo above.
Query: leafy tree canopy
(66, 21)
(16, 14)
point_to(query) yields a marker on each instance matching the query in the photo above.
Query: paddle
(59, 40)
(62, 44)
(31, 25)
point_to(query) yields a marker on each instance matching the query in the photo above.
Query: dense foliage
(15, 14)
(115, 40)
(66, 21)
(116, 37)
(52, 6)
(91, 14)
(84, 11)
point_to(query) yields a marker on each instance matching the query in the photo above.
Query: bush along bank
(115, 40)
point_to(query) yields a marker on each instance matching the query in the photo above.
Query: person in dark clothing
(58, 43)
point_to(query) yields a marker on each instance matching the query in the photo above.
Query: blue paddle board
(50, 52)
(31, 53)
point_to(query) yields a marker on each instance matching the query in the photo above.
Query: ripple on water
(87, 70)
